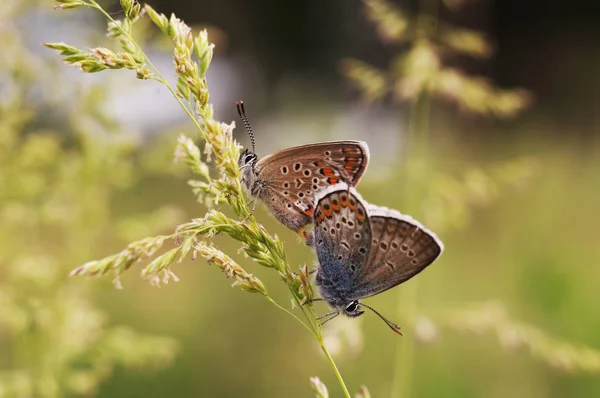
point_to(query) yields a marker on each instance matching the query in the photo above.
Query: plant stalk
(335, 369)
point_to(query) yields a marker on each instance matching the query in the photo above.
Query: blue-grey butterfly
(288, 180)
(364, 250)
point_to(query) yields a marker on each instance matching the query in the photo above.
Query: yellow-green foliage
(492, 318)
(420, 68)
(55, 205)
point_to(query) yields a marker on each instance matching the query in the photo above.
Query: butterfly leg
(312, 300)
(328, 314)
(312, 271)
(254, 202)
(315, 299)
(331, 315)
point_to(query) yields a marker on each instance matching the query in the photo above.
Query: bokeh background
(483, 122)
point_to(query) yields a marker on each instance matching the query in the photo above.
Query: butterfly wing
(347, 159)
(289, 179)
(342, 235)
(294, 214)
(400, 248)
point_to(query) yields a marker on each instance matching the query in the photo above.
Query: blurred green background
(501, 160)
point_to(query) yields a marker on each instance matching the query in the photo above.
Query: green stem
(408, 294)
(310, 317)
(276, 304)
(415, 172)
(316, 331)
(309, 314)
(335, 369)
(405, 349)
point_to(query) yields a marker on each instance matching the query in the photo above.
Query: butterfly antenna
(392, 325)
(242, 112)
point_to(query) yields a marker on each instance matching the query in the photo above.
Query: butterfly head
(351, 309)
(246, 164)
(247, 159)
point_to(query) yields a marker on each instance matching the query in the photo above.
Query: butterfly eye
(249, 157)
(352, 306)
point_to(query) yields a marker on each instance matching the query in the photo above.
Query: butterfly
(363, 250)
(287, 181)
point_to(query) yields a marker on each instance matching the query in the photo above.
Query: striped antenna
(242, 113)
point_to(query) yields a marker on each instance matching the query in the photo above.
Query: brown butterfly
(288, 180)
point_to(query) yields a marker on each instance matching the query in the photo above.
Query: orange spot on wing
(310, 211)
(351, 206)
(344, 202)
(335, 207)
(360, 216)
(349, 167)
(326, 209)
(332, 180)
(328, 172)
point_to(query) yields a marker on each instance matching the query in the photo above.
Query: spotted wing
(342, 235)
(400, 248)
(297, 174)
(292, 214)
